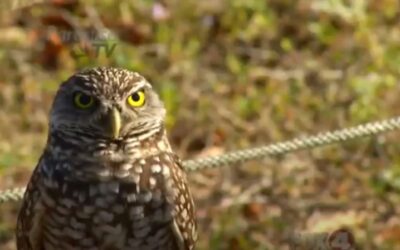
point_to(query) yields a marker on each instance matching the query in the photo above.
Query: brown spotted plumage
(107, 178)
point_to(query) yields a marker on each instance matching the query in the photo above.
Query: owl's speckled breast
(130, 212)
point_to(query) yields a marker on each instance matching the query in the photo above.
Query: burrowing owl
(107, 178)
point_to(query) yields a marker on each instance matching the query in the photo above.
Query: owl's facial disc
(136, 112)
(106, 106)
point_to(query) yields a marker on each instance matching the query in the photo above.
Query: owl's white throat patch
(113, 152)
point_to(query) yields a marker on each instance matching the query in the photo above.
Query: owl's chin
(112, 156)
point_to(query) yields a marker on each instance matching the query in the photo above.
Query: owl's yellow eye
(137, 99)
(83, 101)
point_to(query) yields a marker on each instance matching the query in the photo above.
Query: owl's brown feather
(30, 219)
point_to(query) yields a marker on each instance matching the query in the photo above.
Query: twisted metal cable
(14, 194)
(234, 157)
(296, 144)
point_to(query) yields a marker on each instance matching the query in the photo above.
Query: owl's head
(106, 103)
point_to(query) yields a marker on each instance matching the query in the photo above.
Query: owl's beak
(114, 119)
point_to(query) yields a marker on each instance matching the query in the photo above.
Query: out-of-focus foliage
(232, 73)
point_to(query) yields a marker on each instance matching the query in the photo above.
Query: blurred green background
(233, 74)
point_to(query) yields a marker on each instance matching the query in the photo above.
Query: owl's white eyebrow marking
(139, 85)
(82, 90)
